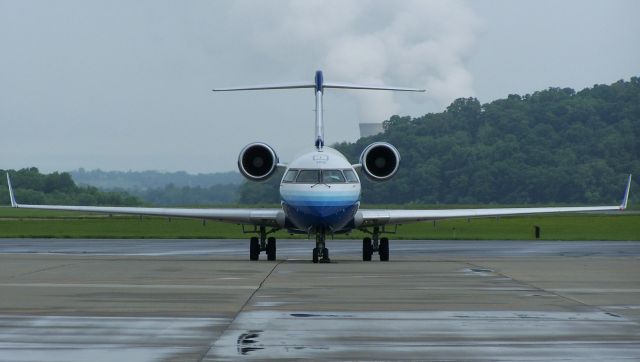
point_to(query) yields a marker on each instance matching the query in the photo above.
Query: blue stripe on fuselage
(332, 215)
(320, 209)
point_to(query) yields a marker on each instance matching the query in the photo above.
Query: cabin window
(351, 176)
(290, 176)
(332, 176)
(308, 176)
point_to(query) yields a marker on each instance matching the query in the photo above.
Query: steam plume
(414, 43)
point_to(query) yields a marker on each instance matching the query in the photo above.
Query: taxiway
(195, 300)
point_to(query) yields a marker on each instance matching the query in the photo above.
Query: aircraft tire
(315, 255)
(384, 249)
(367, 249)
(254, 248)
(271, 248)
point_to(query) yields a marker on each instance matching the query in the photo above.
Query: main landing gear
(375, 243)
(320, 252)
(262, 243)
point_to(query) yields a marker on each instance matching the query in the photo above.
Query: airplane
(320, 191)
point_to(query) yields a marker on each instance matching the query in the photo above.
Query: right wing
(265, 217)
(368, 217)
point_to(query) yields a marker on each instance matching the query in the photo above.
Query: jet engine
(380, 161)
(257, 161)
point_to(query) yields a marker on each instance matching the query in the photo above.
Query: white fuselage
(320, 190)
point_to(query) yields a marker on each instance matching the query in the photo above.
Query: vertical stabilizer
(319, 82)
(319, 86)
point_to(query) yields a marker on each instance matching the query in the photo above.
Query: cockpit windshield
(332, 177)
(320, 176)
(290, 176)
(351, 176)
(308, 177)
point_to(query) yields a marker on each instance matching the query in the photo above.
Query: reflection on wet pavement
(462, 335)
(202, 300)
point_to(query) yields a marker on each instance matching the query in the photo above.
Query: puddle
(268, 304)
(478, 271)
(247, 340)
(430, 335)
(102, 338)
(308, 315)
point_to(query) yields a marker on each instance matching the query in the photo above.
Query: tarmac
(203, 300)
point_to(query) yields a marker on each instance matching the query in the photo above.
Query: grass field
(17, 223)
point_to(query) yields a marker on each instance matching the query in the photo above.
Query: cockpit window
(320, 176)
(308, 176)
(332, 176)
(351, 176)
(290, 176)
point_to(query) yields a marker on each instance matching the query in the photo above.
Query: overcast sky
(126, 85)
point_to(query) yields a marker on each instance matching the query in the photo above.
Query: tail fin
(319, 85)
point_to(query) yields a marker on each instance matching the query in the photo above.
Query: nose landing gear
(320, 252)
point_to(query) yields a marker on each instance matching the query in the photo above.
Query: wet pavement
(302, 247)
(192, 300)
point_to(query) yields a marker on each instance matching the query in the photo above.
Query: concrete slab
(473, 301)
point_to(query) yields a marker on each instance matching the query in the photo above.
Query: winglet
(13, 199)
(625, 199)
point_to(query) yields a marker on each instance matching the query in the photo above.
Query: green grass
(53, 224)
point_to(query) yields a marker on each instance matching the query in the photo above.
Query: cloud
(124, 82)
(413, 43)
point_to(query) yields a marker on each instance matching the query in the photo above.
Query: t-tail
(318, 85)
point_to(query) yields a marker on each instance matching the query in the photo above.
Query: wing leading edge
(390, 217)
(266, 217)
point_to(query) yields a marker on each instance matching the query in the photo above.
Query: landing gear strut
(375, 243)
(320, 252)
(262, 243)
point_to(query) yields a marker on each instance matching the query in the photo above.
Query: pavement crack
(244, 305)
(540, 289)
(43, 270)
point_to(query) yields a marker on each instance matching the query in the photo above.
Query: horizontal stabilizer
(369, 87)
(267, 86)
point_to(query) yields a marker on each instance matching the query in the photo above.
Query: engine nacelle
(257, 161)
(380, 161)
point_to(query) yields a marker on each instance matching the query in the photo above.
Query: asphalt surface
(302, 248)
(195, 300)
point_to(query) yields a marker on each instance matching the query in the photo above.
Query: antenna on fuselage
(318, 85)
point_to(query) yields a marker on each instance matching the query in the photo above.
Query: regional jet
(320, 191)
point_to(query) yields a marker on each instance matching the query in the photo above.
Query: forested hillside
(167, 188)
(32, 187)
(146, 180)
(172, 195)
(552, 146)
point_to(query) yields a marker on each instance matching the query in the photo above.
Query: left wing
(265, 217)
(383, 217)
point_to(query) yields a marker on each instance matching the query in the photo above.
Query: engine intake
(380, 161)
(257, 161)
